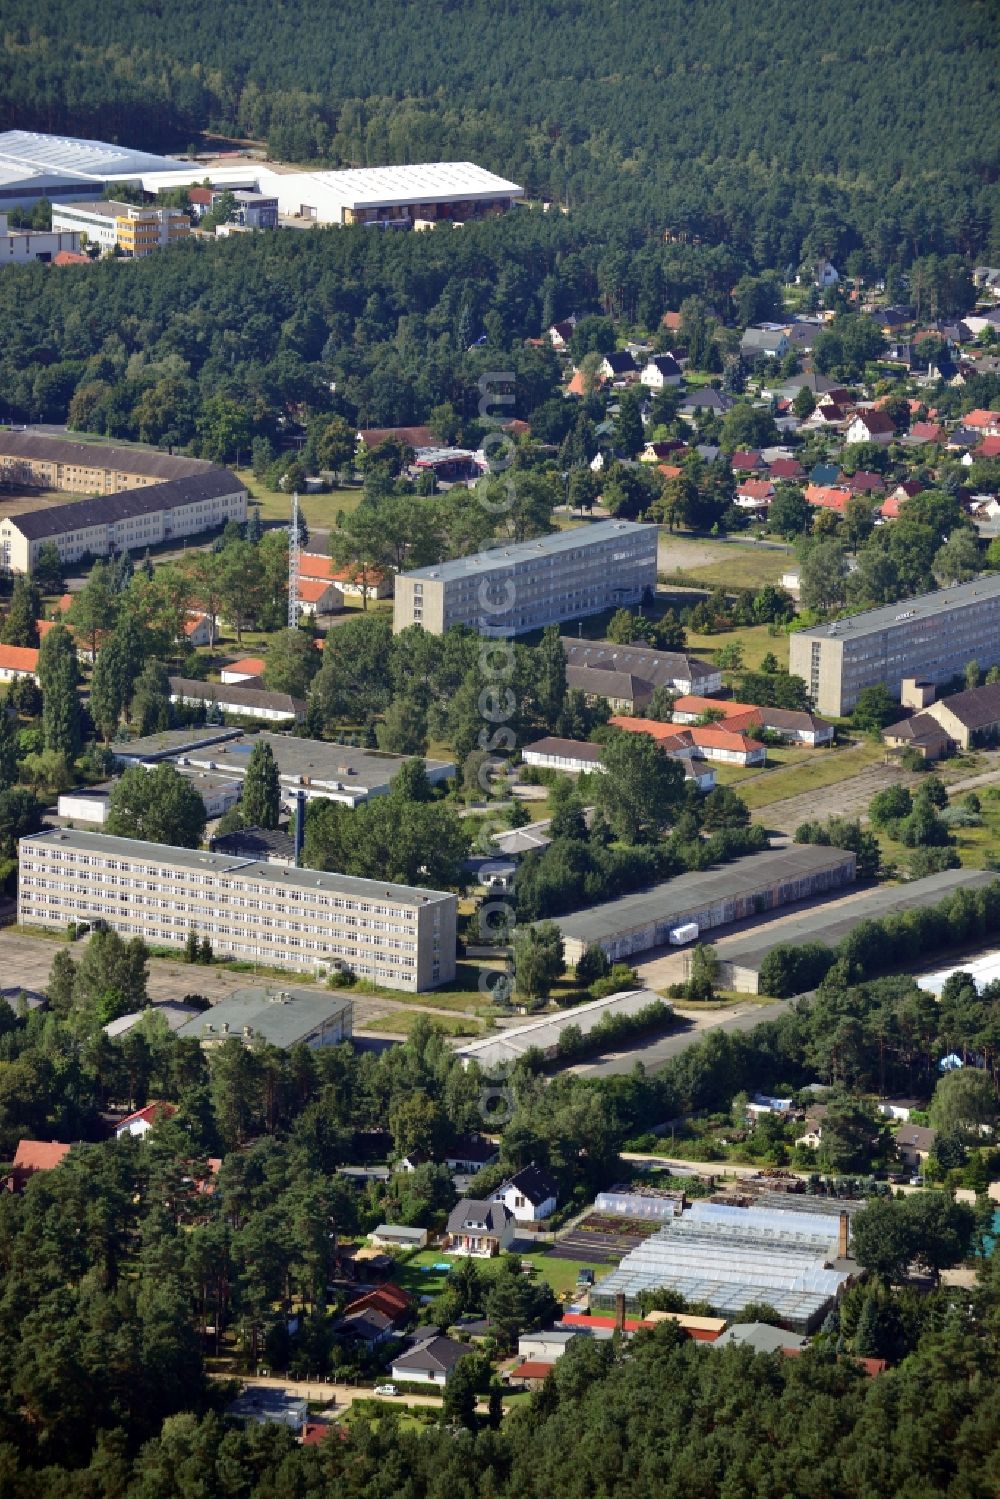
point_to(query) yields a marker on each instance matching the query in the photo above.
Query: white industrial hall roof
(28, 153)
(392, 187)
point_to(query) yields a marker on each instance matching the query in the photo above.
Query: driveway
(26, 961)
(339, 1396)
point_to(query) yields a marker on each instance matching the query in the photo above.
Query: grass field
(418, 1275)
(320, 510)
(720, 564)
(813, 769)
(401, 1022)
(756, 641)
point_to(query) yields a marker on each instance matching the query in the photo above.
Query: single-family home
(365, 1328)
(660, 370)
(199, 627)
(470, 1153)
(924, 432)
(18, 661)
(318, 596)
(812, 1134)
(706, 401)
(871, 426)
(480, 1228)
(139, 1124)
(431, 1362)
(898, 1109)
(34, 1155)
(548, 1345)
(561, 333)
(986, 423)
(618, 365)
(530, 1194)
(754, 494)
(747, 461)
(914, 1144)
(244, 670)
(659, 452)
(865, 482)
(828, 497)
(785, 470)
(764, 343)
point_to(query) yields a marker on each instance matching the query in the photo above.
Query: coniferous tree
(59, 678)
(20, 627)
(261, 800)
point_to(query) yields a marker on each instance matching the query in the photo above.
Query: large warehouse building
(713, 898)
(932, 637)
(529, 584)
(397, 935)
(740, 957)
(138, 499)
(393, 196)
(62, 168)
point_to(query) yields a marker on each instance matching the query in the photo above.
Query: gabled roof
(311, 590)
(980, 419)
(474, 1147)
(876, 421)
(921, 728)
(315, 565)
(153, 1113)
(19, 658)
(864, 482)
(978, 708)
(620, 362)
(785, 468)
(473, 1215)
(988, 448)
(665, 363)
(533, 1182)
(916, 1136)
(827, 497)
(39, 1155)
(106, 509)
(237, 695)
(746, 459)
(252, 666)
(756, 489)
(570, 749)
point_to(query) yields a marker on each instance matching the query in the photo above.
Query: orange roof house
(32, 1156)
(18, 661)
(827, 497)
(315, 565)
(981, 420)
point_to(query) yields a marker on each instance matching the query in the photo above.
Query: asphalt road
(655, 1053)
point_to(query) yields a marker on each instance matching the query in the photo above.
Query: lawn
(418, 1276)
(401, 1022)
(817, 768)
(756, 641)
(721, 564)
(320, 510)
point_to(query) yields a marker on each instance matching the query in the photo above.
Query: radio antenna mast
(293, 565)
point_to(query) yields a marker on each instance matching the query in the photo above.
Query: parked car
(387, 1389)
(585, 1277)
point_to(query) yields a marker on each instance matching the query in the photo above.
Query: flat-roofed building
(512, 589)
(22, 246)
(320, 770)
(133, 229)
(397, 935)
(394, 196)
(706, 899)
(281, 1017)
(932, 636)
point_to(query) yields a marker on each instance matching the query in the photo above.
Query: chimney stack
(620, 1311)
(843, 1236)
(300, 826)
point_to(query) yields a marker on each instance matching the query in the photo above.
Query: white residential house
(871, 426)
(561, 333)
(139, 1124)
(826, 274)
(530, 1194)
(660, 370)
(478, 1228)
(619, 366)
(897, 1109)
(430, 1362)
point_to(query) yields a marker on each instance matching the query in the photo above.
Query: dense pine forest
(776, 130)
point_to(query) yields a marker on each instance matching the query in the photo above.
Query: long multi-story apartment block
(931, 637)
(137, 498)
(529, 584)
(396, 935)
